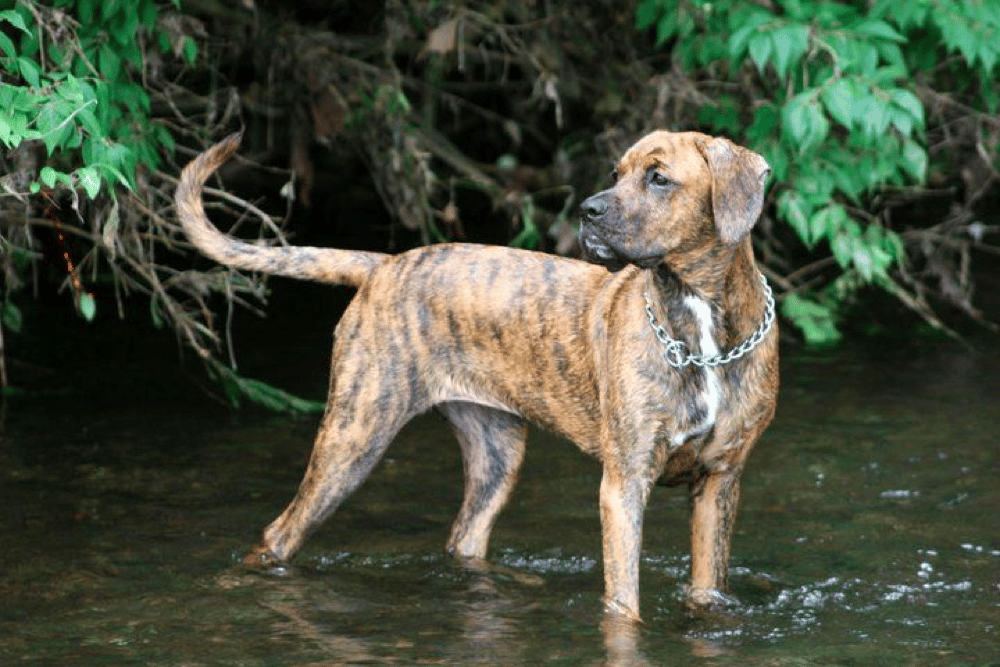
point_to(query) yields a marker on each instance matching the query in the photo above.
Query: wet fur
(494, 338)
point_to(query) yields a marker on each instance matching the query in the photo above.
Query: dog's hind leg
(363, 416)
(492, 444)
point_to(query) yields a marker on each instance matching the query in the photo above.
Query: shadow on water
(868, 535)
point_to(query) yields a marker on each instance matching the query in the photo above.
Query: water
(868, 533)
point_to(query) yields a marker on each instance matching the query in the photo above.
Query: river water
(868, 533)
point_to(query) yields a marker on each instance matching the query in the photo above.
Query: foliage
(237, 387)
(833, 95)
(74, 95)
(76, 118)
(488, 120)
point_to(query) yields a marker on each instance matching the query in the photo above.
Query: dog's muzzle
(593, 212)
(596, 248)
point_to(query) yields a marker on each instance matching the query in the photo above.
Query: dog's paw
(709, 600)
(262, 560)
(260, 557)
(621, 610)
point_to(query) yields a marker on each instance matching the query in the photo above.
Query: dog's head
(673, 192)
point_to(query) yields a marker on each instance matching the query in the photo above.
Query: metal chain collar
(675, 351)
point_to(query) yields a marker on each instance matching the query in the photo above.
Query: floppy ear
(738, 177)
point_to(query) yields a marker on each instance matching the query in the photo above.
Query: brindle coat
(495, 338)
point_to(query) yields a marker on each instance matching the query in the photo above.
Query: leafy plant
(77, 95)
(830, 94)
(73, 94)
(77, 124)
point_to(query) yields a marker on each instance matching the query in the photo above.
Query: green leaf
(30, 70)
(54, 125)
(109, 62)
(803, 122)
(827, 222)
(760, 49)
(914, 160)
(989, 51)
(819, 127)
(123, 27)
(844, 243)
(154, 313)
(88, 121)
(148, 14)
(7, 46)
(901, 121)
(794, 209)
(845, 175)
(838, 98)
(133, 97)
(90, 179)
(892, 54)
(816, 321)
(117, 174)
(646, 13)
(956, 36)
(48, 176)
(745, 27)
(12, 17)
(27, 100)
(908, 102)
(190, 51)
(906, 14)
(887, 76)
(723, 116)
(161, 135)
(85, 11)
(666, 27)
(10, 316)
(870, 114)
(789, 43)
(6, 135)
(87, 305)
(867, 59)
(765, 121)
(795, 120)
(237, 387)
(879, 29)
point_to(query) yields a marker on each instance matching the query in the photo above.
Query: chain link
(675, 351)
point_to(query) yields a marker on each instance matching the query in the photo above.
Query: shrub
(835, 96)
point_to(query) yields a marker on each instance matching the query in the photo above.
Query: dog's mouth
(598, 251)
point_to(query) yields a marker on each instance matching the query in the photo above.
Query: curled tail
(326, 265)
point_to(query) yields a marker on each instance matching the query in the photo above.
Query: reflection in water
(490, 623)
(622, 638)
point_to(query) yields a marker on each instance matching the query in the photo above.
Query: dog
(659, 355)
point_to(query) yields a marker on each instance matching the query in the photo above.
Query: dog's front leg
(623, 502)
(714, 498)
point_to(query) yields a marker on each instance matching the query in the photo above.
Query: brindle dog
(665, 367)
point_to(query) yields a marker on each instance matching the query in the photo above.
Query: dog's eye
(659, 180)
(614, 175)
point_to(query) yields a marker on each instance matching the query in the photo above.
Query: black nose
(594, 208)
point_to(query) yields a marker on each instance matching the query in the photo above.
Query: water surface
(868, 533)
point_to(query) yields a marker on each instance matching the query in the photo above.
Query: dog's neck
(724, 278)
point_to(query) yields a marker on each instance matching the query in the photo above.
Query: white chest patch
(712, 393)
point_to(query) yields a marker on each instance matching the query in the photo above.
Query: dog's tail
(326, 265)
